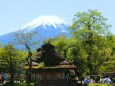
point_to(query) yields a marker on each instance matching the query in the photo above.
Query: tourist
(107, 80)
(101, 80)
(1, 79)
(86, 80)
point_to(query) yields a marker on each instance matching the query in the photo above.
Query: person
(86, 80)
(92, 80)
(4, 78)
(107, 80)
(1, 79)
(101, 80)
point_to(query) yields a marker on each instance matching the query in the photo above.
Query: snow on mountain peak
(45, 20)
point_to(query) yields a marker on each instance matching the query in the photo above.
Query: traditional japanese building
(50, 69)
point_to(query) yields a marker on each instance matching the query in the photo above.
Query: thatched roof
(47, 54)
(52, 67)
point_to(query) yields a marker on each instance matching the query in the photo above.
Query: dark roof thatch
(51, 67)
(46, 54)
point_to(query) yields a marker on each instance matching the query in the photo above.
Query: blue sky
(16, 13)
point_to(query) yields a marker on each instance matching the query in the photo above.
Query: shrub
(99, 84)
(16, 84)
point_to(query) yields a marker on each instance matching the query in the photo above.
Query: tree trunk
(11, 72)
(89, 64)
(29, 61)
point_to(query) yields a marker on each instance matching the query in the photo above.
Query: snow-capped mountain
(45, 26)
(45, 20)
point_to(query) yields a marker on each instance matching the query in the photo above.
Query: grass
(97, 84)
(18, 84)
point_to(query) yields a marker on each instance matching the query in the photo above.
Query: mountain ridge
(45, 20)
(46, 26)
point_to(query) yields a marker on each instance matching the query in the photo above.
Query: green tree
(26, 38)
(1, 44)
(10, 57)
(71, 50)
(61, 44)
(92, 31)
(110, 65)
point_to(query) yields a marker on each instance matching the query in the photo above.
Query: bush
(99, 84)
(21, 84)
(16, 84)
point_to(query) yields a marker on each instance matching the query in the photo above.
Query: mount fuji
(45, 26)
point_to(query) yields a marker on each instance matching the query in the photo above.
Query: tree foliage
(110, 65)
(26, 38)
(93, 35)
(62, 45)
(10, 60)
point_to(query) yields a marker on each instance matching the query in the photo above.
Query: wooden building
(55, 71)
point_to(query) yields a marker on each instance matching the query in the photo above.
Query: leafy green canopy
(91, 44)
(89, 22)
(94, 39)
(9, 55)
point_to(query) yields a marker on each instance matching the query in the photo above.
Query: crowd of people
(103, 80)
(3, 78)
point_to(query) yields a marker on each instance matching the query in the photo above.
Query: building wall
(49, 76)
